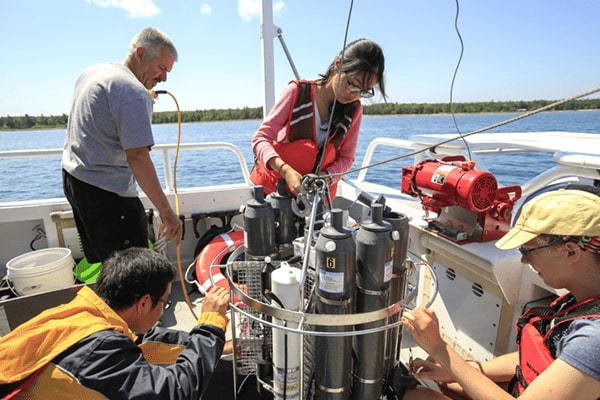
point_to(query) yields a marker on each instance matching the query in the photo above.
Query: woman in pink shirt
(316, 116)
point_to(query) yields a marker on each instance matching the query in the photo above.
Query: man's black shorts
(106, 222)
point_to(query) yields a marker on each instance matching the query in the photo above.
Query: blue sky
(514, 49)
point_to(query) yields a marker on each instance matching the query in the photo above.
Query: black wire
(273, 297)
(242, 383)
(318, 169)
(462, 51)
(460, 135)
(285, 362)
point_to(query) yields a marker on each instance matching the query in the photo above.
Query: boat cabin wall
(28, 226)
(477, 310)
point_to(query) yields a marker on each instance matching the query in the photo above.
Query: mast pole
(268, 33)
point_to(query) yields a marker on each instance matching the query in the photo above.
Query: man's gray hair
(152, 40)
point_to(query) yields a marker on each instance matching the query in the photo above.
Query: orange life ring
(212, 256)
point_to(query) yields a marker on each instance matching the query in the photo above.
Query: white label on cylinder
(388, 271)
(285, 284)
(331, 282)
(291, 385)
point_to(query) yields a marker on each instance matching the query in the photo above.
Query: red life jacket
(300, 150)
(538, 331)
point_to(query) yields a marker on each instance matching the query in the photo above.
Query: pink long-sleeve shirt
(274, 129)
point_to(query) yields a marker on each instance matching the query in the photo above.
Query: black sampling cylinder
(335, 259)
(259, 234)
(285, 219)
(374, 252)
(400, 227)
(259, 227)
(399, 223)
(374, 263)
(259, 242)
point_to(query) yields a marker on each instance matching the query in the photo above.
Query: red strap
(24, 384)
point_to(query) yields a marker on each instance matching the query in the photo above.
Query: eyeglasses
(166, 303)
(355, 90)
(525, 252)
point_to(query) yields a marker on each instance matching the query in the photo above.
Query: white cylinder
(285, 285)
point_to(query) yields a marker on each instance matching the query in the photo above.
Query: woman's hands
(292, 178)
(429, 369)
(423, 325)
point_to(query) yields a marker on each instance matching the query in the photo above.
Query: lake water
(41, 177)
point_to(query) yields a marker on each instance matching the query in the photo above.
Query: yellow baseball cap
(565, 212)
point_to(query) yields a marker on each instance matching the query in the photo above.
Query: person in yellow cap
(105, 344)
(558, 356)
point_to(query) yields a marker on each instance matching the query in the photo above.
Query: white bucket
(41, 271)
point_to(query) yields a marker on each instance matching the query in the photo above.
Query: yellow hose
(178, 246)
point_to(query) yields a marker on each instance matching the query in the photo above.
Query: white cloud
(205, 9)
(135, 8)
(251, 8)
(278, 6)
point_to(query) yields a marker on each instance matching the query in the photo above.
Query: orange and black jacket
(84, 350)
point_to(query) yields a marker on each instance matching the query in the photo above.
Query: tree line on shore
(232, 114)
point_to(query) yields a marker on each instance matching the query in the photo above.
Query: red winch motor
(468, 202)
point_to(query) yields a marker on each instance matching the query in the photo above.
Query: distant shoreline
(28, 122)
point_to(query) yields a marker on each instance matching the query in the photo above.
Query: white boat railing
(577, 155)
(166, 150)
(32, 153)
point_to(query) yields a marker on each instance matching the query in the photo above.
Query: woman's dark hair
(361, 56)
(130, 274)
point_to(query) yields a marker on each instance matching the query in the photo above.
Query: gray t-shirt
(111, 112)
(580, 346)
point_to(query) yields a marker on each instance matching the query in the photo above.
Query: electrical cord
(462, 51)
(154, 95)
(460, 136)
